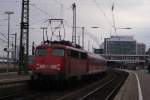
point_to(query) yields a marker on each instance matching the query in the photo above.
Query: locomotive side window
(74, 54)
(40, 52)
(58, 52)
(83, 55)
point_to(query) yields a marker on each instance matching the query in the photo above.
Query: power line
(107, 19)
(41, 10)
(4, 1)
(4, 36)
(3, 40)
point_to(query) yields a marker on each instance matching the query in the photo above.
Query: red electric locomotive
(63, 61)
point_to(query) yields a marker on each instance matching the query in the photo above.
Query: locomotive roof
(68, 45)
(92, 55)
(60, 46)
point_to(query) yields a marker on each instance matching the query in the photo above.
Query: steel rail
(87, 87)
(120, 79)
(97, 89)
(114, 90)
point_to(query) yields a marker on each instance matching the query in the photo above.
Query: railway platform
(12, 76)
(136, 87)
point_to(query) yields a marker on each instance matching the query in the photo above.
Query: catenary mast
(24, 37)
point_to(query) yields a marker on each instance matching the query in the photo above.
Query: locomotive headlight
(56, 67)
(40, 66)
(53, 67)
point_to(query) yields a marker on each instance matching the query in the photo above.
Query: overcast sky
(90, 13)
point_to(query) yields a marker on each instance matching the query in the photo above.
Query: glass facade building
(141, 48)
(120, 45)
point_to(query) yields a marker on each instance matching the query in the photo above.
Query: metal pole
(79, 40)
(59, 36)
(46, 34)
(43, 35)
(8, 42)
(74, 23)
(88, 45)
(24, 38)
(9, 13)
(15, 44)
(44, 28)
(83, 28)
(33, 48)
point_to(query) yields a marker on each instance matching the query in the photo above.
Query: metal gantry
(24, 37)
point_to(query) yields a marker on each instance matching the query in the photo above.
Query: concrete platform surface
(12, 76)
(136, 87)
(144, 78)
(129, 90)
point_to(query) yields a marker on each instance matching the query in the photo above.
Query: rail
(104, 89)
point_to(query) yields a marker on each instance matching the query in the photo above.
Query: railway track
(103, 89)
(10, 88)
(108, 90)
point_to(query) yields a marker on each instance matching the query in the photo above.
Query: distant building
(120, 45)
(148, 52)
(125, 51)
(141, 47)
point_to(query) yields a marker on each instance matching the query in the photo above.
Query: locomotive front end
(49, 61)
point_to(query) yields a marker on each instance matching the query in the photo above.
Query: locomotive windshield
(40, 51)
(58, 52)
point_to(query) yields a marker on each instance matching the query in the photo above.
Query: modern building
(141, 49)
(124, 50)
(148, 51)
(120, 45)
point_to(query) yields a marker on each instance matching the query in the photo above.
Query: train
(62, 60)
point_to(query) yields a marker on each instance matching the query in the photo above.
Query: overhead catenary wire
(10, 1)
(3, 35)
(4, 41)
(41, 10)
(50, 16)
(100, 9)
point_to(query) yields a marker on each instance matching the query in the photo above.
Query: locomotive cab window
(40, 52)
(57, 52)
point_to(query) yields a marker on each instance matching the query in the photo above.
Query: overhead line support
(24, 37)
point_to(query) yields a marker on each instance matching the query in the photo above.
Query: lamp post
(8, 13)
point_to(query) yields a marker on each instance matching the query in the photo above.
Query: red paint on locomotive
(66, 61)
